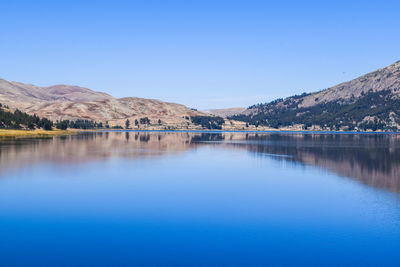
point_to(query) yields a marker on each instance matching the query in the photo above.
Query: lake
(200, 199)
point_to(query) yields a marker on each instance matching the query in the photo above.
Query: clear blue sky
(205, 54)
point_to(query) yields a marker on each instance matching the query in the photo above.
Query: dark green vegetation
(89, 124)
(78, 124)
(208, 122)
(20, 120)
(371, 111)
(144, 120)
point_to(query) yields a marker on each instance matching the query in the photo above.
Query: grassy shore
(32, 133)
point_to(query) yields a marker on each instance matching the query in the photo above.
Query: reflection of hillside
(370, 159)
(90, 147)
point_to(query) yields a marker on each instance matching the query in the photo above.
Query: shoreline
(239, 131)
(13, 133)
(9, 133)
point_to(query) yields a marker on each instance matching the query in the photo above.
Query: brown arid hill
(370, 102)
(225, 112)
(61, 102)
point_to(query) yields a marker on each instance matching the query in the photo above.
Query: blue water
(192, 199)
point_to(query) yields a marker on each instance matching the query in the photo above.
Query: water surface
(200, 199)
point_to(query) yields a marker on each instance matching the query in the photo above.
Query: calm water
(200, 199)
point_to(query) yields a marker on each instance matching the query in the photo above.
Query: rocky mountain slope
(61, 102)
(370, 102)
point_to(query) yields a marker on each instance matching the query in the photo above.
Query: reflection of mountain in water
(87, 147)
(371, 159)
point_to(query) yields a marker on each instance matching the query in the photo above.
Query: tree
(136, 123)
(144, 120)
(159, 122)
(62, 125)
(46, 124)
(127, 123)
(31, 126)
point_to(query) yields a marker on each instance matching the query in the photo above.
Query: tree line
(90, 124)
(208, 122)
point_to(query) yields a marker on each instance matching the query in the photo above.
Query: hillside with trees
(67, 102)
(371, 102)
(22, 120)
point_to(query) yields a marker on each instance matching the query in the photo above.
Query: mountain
(61, 102)
(370, 102)
(225, 112)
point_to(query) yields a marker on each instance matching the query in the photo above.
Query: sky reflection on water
(200, 198)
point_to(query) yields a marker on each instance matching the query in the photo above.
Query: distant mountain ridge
(225, 112)
(370, 102)
(61, 102)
